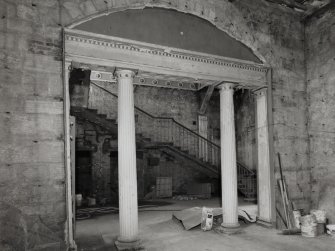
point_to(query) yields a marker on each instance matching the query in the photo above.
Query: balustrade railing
(163, 130)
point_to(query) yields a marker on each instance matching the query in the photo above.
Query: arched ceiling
(169, 28)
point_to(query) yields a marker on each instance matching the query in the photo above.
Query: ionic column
(228, 157)
(128, 213)
(264, 177)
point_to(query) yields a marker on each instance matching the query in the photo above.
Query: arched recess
(90, 43)
(169, 28)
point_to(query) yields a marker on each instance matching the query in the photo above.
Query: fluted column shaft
(228, 157)
(128, 211)
(264, 176)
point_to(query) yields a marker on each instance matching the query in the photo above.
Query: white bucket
(320, 215)
(207, 219)
(308, 226)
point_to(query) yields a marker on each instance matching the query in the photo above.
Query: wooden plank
(67, 154)
(73, 168)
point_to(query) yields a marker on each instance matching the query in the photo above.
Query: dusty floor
(158, 231)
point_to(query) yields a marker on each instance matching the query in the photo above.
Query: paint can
(320, 215)
(320, 228)
(296, 216)
(308, 225)
(91, 201)
(321, 219)
(207, 219)
(79, 199)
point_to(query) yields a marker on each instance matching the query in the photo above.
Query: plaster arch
(93, 9)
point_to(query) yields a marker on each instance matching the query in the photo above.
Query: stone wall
(32, 182)
(320, 64)
(32, 177)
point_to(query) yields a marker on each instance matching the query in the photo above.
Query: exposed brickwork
(31, 90)
(320, 41)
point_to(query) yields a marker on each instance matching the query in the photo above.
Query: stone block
(44, 106)
(32, 152)
(33, 127)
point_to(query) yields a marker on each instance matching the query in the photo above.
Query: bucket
(91, 201)
(79, 199)
(320, 215)
(320, 228)
(308, 226)
(207, 219)
(296, 216)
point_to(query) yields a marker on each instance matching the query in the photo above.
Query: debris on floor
(185, 197)
(331, 230)
(310, 225)
(192, 217)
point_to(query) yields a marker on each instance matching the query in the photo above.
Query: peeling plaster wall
(320, 64)
(32, 183)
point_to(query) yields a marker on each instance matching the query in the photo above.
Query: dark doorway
(84, 173)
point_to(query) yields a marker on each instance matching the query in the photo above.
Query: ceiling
(308, 7)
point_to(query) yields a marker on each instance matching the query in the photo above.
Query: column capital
(226, 86)
(124, 73)
(261, 92)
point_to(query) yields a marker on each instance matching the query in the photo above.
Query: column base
(229, 228)
(131, 246)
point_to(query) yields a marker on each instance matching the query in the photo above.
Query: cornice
(130, 45)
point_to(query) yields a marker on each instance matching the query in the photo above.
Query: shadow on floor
(94, 243)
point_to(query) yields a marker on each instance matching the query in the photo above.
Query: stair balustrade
(164, 131)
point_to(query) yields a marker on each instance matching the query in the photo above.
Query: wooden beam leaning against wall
(205, 101)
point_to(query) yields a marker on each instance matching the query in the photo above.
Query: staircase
(170, 135)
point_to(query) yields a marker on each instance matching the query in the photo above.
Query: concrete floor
(158, 231)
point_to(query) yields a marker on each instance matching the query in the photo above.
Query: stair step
(164, 143)
(92, 115)
(104, 116)
(111, 121)
(92, 110)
